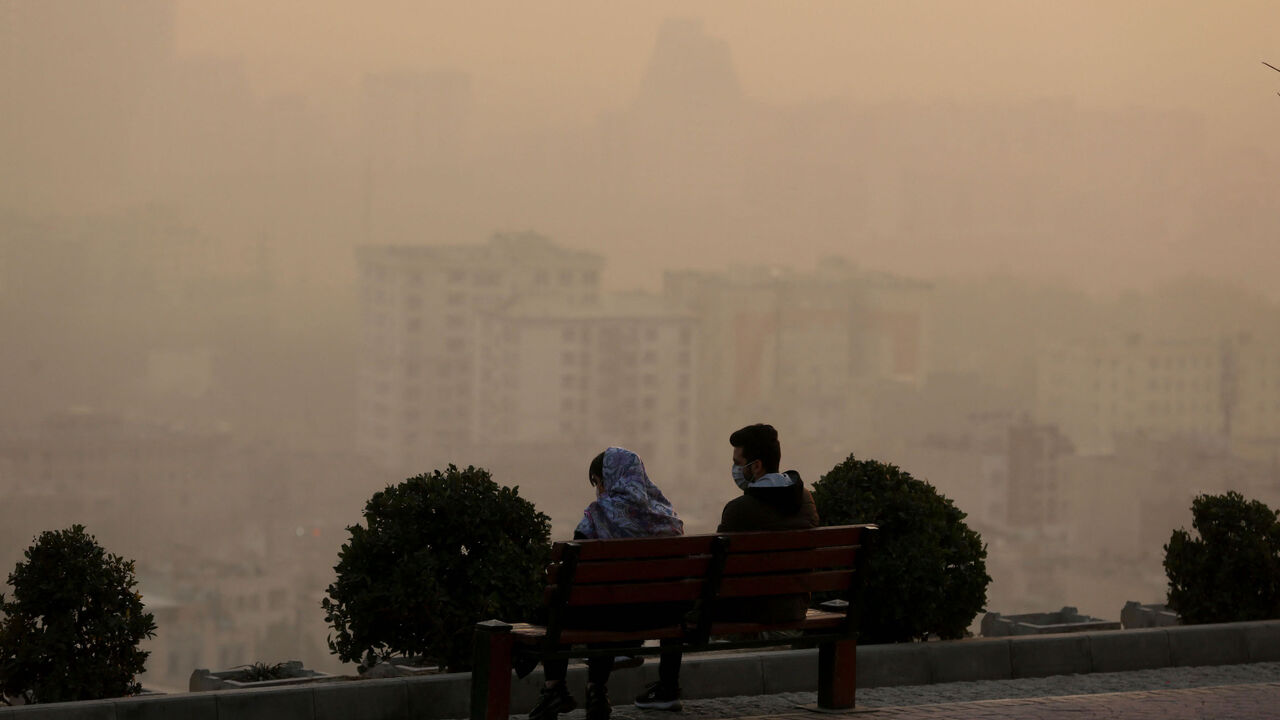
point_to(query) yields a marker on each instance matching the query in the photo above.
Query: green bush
(1232, 571)
(927, 573)
(72, 630)
(438, 554)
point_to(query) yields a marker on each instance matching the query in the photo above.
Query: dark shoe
(659, 697)
(598, 707)
(554, 700)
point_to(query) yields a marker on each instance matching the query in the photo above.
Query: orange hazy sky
(567, 61)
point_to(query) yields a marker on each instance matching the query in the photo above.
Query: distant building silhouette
(689, 75)
(800, 348)
(1224, 389)
(482, 350)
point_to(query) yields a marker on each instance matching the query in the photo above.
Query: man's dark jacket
(789, 507)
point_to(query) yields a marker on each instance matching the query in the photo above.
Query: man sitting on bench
(770, 500)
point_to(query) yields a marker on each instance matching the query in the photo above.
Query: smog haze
(251, 255)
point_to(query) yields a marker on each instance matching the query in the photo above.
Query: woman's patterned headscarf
(630, 505)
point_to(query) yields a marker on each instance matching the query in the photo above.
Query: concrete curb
(765, 673)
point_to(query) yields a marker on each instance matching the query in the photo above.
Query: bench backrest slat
(788, 584)
(794, 540)
(620, 594)
(754, 563)
(637, 570)
(683, 545)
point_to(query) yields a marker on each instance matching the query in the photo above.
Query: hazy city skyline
(1025, 250)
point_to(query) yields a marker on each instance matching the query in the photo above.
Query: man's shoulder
(743, 501)
(744, 513)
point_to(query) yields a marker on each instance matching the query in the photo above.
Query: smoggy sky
(568, 61)
(1109, 145)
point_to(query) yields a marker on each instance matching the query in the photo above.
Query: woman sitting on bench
(627, 505)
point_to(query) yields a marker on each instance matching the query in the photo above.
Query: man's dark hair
(597, 467)
(759, 442)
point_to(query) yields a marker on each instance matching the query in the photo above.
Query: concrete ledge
(1262, 640)
(1223, 644)
(985, 659)
(1045, 655)
(889, 665)
(191, 706)
(1145, 649)
(361, 700)
(282, 703)
(788, 670)
(435, 697)
(724, 675)
(89, 710)
(445, 696)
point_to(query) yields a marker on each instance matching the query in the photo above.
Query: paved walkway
(1229, 691)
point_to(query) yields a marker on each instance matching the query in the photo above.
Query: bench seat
(527, 634)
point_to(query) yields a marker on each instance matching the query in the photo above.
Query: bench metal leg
(837, 674)
(491, 671)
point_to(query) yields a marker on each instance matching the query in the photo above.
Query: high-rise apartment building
(427, 345)
(797, 349)
(1226, 388)
(619, 372)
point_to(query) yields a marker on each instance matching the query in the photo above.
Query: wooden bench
(699, 570)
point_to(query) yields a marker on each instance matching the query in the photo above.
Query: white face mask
(739, 477)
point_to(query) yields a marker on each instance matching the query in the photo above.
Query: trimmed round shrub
(73, 627)
(927, 573)
(437, 554)
(1231, 572)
